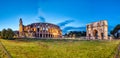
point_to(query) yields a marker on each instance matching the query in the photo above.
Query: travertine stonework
(97, 30)
(39, 30)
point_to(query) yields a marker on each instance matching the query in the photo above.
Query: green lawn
(60, 48)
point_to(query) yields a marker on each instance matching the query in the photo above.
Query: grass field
(60, 48)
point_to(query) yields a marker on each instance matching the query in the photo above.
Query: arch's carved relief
(97, 30)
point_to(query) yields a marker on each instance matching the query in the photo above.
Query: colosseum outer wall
(39, 30)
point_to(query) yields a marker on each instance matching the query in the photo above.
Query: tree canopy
(7, 34)
(75, 34)
(115, 30)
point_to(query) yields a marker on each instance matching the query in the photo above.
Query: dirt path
(117, 55)
(4, 52)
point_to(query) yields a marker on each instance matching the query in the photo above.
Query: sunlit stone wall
(40, 30)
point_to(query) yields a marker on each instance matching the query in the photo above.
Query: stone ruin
(97, 30)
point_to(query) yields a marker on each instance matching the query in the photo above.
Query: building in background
(39, 30)
(97, 30)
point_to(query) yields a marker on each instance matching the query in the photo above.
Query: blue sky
(73, 14)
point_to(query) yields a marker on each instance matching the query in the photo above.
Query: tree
(76, 33)
(7, 34)
(10, 33)
(115, 30)
(0, 33)
(3, 33)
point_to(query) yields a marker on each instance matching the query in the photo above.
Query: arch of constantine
(97, 30)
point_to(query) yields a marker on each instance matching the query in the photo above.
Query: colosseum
(97, 30)
(39, 30)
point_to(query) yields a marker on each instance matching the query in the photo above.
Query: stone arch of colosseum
(97, 30)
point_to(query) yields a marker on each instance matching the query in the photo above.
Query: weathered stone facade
(97, 30)
(39, 30)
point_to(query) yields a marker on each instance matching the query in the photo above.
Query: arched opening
(102, 35)
(95, 33)
(40, 35)
(89, 36)
(47, 36)
(37, 35)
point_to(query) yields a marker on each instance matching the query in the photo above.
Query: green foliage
(0, 33)
(76, 33)
(3, 33)
(10, 33)
(115, 30)
(7, 34)
(61, 48)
